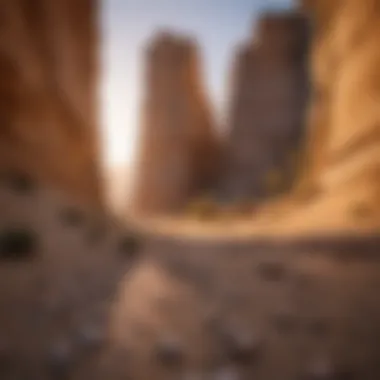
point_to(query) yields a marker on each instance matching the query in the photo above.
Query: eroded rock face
(269, 94)
(48, 70)
(343, 152)
(178, 151)
(346, 96)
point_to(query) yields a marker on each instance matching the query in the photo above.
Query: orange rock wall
(344, 117)
(48, 94)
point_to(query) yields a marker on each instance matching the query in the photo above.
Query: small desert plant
(203, 208)
(273, 181)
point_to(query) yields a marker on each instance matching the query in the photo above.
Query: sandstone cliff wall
(178, 150)
(343, 150)
(48, 70)
(344, 111)
(269, 94)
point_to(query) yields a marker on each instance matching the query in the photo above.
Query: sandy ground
(80, 302)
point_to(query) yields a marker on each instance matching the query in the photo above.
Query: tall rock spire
(266, 117)
(178, 146)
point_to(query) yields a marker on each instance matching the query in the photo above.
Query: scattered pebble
(91, 337)
(60, 360)
(193, 376)
(226, 373)
(17, 243)
(241, 346)
(71, 217)
(20, 183)
(271, 270)
(320, 369)
(285, 322)
(169, 351)
(129, 245)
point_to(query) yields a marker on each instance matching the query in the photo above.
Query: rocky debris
(67, 313)
(320, 369)
(192, 375)
(18, 244)
(129, 245)
(226, 373)
(18, 182)
(179, 148)
(56, 307)
(272, 270)
(71, 217)
(91, 336)
(241, 346)
(48, 70)
(61, 360)
(169, 351)
(267, 108)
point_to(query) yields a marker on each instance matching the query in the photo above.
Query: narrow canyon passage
(85, 296)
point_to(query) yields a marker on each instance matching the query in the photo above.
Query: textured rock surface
(48, 93)
(178, 151)
(344, 65)
(289, 309)
(268, 102)
(344, 155)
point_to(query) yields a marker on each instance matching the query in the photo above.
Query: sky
(219, 25)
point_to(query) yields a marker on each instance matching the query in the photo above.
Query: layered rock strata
(48, 94)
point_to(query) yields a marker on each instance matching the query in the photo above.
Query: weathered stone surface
(343, 156)
(48, 71)
(269, 97)
(178, 151)
(343, 111)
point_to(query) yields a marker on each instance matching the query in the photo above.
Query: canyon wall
(342, 161)
(268, 101)
(346, 81)
(344, 120)
(48, 95)
(178, 147)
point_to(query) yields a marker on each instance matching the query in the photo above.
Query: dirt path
(83, 298)
(254, 310)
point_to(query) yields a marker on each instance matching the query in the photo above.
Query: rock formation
(178, 151)
(344, 119)
(269, 94)
(48, 70)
